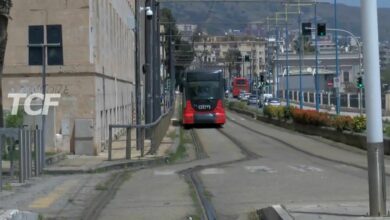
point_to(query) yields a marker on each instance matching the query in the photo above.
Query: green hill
(218, 17)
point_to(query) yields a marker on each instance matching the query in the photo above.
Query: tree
(5, 6)
(306, 44)
(197, 36)
(232, 57)
(183, 50)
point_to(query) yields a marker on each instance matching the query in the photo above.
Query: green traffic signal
(321, 29)
(360, 82)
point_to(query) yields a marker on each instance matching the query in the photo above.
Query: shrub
(310, 117)
(288, 112)
(274, 112)
(342, 123)
(267, 111)
(280, 113)
(359, 123)
(241, 105)
(386, 130)
(14, 121)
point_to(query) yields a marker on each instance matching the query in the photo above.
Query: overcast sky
(381, 3)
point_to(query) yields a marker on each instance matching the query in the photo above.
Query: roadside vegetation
(195, 201)
(181, 151)
(290, 114)
(253, 215)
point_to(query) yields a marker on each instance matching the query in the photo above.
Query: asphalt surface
(252, 165)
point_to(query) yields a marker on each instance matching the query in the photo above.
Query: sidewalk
(88, 164)
(61, 196)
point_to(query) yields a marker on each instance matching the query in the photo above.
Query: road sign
(330, 83)
(336, 82)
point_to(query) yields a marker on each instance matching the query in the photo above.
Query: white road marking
(164, 172)
(257, 169)
(297, 169)
(316, 169)
(210, 171)
(242, 119)
(305, 168)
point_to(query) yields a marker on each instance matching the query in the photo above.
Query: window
(54, 53)
(35, 36)
(346, 76)
(53, 36)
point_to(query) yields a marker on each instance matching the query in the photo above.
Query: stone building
(213, 49)
(92, 68)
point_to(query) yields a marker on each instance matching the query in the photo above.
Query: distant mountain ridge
(218, 17)
(381, 3)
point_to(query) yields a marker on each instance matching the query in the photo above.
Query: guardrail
(24, 153)
(157, 132)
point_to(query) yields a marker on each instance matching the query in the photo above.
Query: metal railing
(157, 130)
(23, 149)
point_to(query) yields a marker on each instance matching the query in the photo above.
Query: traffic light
(261, 78)
(306, 29)
(247, 58)
(321, 29)
(360, 82)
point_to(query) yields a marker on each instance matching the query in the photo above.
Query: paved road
(287, 172)
(161, 193)
(310, 187)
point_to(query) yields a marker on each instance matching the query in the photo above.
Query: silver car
(272, 102)
(252, 100)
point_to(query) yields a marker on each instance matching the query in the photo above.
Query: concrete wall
(98, 46)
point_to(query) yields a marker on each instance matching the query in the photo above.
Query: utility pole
(138, 98)
(171, 66)
(149, 64)
(337, 59)
(277, 61)
(5, 6)
(375, 152)
(287, 68)
(301, 48)
(317, 79)
(156, 59)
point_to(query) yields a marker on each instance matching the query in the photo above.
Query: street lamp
(337, 59)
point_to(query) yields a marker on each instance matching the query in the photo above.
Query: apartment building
(91, 65)
(213, 49)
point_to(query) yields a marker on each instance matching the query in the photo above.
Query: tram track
(192, 174)
(294, 147)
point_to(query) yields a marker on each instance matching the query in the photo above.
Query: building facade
(92, 66)
(214, 50)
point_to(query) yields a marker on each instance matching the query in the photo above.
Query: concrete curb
(275, 212)
(108, 167)
(55, 158)
(15, 214)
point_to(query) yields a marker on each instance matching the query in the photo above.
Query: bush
(342, 123)
(386, 130)
(310, 117)
(278, 112)
(359, 123)
(288, 112)
(14, 121)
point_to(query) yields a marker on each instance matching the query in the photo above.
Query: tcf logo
(28, 99)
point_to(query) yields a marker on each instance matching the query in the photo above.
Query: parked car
(272, 102)
(252, 100)
(241, 95)
(245, 96)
